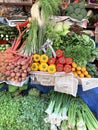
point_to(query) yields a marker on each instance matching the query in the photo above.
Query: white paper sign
(89, 83)
(66, 84)
(44, 78)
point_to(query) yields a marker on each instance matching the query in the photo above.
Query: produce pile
(78, 46)
(8, 33)
(15, 62)
(22, 112)
(13, 65)
(74, 52)
(66, 112)
(28, 112)
(76, 11)
(52, 65)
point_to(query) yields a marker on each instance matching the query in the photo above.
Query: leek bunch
(34, 40)
(40, 12)
(66, 112)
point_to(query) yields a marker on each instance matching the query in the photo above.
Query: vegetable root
(13, 65)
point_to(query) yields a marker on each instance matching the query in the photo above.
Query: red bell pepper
(67, 68)
(51, 61)
(59, 53)
(57, 61)
(68, 61)
(62, 60)
(59, 67)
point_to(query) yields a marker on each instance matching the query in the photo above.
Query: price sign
(66, 84)
(89, 83)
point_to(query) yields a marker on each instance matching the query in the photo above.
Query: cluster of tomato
(62, 62)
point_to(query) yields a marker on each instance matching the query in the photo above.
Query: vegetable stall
(48, 69)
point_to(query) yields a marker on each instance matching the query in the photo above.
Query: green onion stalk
(72, 114)
(53, 127)
(31, 43)
(80, 121)
(64, 125)
(54, 114)
(65, 106)
(50, 108)
(57, 109)
(90, 120)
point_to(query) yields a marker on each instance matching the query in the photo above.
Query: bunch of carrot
(13, 65)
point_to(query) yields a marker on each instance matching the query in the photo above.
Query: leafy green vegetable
(76, 11)
(12, 88)
(79, 47)
(34, 92)
(22, 113)
(79, 54)
(1, 85)
(49, 7)
(95, 53)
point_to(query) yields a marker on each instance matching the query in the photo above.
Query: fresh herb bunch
(81, 55)
(49, 7)
(22, 113)
(79, 47)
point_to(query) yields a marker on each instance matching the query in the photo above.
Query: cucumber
(96, 75)
(92, 73)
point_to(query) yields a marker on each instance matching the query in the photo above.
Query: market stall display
(51, 52)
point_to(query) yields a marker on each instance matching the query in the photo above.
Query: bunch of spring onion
(66, 112)
(40, 12)
(34, 40)
(57, 109)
